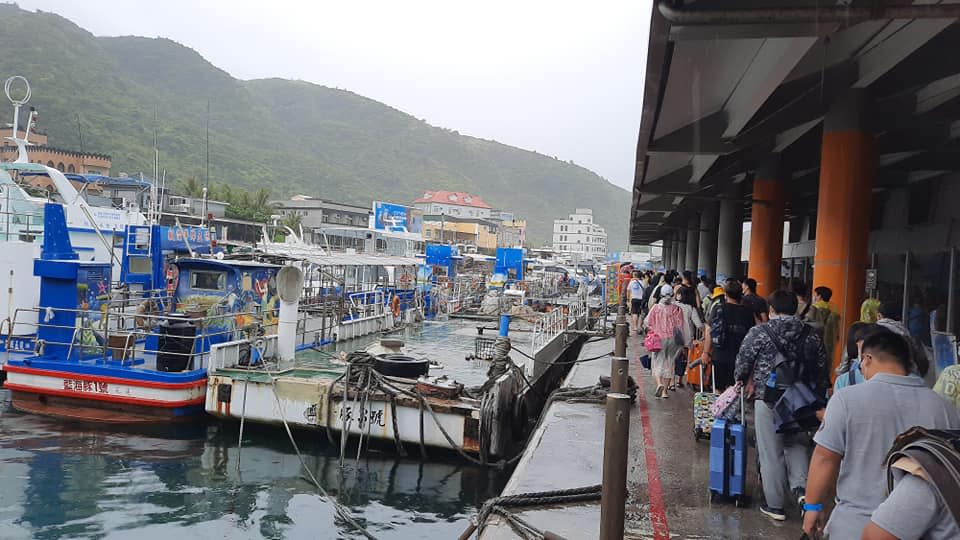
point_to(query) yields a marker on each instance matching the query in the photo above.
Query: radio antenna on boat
(9, 88)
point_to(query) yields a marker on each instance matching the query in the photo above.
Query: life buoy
(395, 305)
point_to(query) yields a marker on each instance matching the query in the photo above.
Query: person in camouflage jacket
(758, 352)
(784, 457)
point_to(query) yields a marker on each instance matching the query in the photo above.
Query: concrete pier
(666, 475)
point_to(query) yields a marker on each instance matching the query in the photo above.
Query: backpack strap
(806, 309)
(940, 462)
(851, 376)
(804, 334)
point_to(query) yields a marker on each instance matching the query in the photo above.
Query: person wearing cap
(665, 321)
(726, 327)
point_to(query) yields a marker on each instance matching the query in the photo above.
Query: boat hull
(104, 396)
(303, 404)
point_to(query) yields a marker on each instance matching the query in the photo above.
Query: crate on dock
(483, 348)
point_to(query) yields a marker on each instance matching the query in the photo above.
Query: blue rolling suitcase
(728, 459)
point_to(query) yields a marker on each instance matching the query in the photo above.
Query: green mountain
(292, 136)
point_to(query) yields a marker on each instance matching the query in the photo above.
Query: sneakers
(660, 391)
(773, 513)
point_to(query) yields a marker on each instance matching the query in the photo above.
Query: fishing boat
(135, 353)
(465, 395)
(94, 231)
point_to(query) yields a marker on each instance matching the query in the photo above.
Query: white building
(580, 235)
(452, 203)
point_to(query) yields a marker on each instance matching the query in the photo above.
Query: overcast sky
(561, 77)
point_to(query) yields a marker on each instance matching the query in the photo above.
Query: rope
(342, 511)
(568, 362)
(499, 505)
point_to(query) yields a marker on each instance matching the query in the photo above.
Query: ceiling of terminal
(728, 83)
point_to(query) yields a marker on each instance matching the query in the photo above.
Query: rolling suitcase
(728, 459)
(702, 417)
(695, 376)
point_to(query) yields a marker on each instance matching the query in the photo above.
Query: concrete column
(667, 253)
(766, 231)
(848, 164)
(680, 257)
(729, 239)
(707, 252)
(693, 243)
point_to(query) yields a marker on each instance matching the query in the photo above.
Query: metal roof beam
(843, 14)
(750, 31)
(702, 136)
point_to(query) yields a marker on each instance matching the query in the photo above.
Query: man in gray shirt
(859, 425)
(912, 511)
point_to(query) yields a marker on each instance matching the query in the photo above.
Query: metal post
(621, 329)
(951, 285)
(614, 494)
(905, 308)
(619, 368)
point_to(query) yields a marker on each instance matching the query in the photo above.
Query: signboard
(613, 284)
(871, 284)
(396, 218)
(177, 238)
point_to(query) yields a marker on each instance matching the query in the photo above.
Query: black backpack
(789, 369)
(937, 452)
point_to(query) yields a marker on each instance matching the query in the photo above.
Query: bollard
(614, 494)
(619, 368)
(621, 330)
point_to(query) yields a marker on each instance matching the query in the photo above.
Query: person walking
(728, 325)
(805, 309)
(828, 317)
(665, 320)
(686, 299)
(783, 457)
(635, 291)
(889, 318)
(859, 425)
(755, 302)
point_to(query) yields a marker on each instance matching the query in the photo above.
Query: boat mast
(8, 89)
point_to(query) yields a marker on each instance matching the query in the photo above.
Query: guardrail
(550, 325)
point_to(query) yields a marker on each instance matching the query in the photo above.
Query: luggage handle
(713, 380)
(701, 377)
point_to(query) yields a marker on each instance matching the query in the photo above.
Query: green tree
(191, 187)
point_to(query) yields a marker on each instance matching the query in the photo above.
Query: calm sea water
(61, 479)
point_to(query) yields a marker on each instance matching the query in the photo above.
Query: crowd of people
(826, 446)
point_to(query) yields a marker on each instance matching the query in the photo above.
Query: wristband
(817, 507)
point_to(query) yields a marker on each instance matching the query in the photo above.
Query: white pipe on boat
(289, 287)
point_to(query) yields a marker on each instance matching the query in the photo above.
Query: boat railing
(242, 353)
(181, 341)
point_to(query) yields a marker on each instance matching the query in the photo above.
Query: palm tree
(191, 186)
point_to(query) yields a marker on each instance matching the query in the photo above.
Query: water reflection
(64, 480)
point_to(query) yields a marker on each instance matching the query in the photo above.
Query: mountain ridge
(295, 136)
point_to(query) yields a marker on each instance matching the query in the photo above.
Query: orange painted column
(847, 167)
(766, 231)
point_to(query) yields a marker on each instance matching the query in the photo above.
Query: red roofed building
(452, 203)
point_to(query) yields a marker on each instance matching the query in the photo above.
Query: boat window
(208, 280)
(140, 265)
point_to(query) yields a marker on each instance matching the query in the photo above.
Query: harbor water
(63, 479)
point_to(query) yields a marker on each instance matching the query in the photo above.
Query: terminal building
(833, 130)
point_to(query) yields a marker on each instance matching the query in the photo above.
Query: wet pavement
(667, 469)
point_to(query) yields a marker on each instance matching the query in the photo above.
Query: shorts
(635, 306)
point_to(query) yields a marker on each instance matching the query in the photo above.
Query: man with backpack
(827, 318)
(775, 356)
(860, 423)
(729, 321)
(925, 499)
